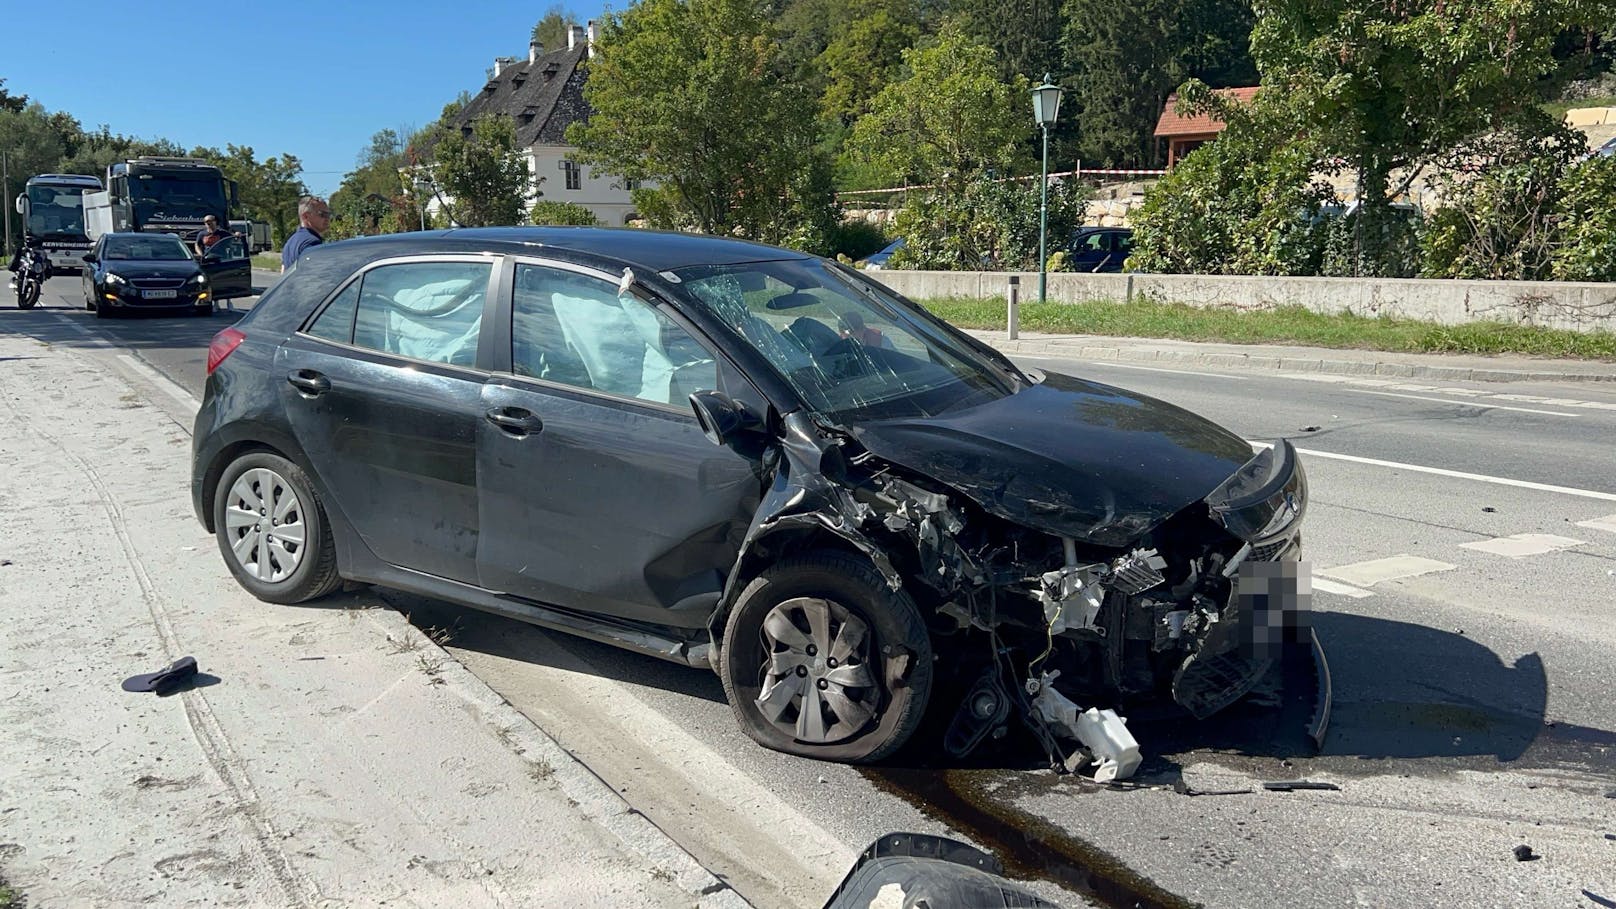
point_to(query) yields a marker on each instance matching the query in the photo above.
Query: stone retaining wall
(1572, 305)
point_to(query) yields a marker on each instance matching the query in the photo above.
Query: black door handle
(309, 382)
(518, 421)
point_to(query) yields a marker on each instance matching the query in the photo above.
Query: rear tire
(820, 658)
(272, 530)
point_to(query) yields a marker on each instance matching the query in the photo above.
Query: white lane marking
(1345, 590)
(1176, 372)
(1370, 573)
(1606, 523)
(1521, 545)
(1477, 404)
(172, 388)
(1456, 474)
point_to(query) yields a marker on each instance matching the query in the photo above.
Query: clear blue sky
(311, 79)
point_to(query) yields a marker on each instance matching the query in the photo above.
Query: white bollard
(1012, 295)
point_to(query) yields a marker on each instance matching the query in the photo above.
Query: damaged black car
(750, 459)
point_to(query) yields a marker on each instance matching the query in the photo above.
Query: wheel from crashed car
(273, 531)
(821, 658)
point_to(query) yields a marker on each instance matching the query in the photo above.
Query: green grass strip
(1279, 325)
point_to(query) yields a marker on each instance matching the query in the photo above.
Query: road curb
(1369, 366)
(546, 758)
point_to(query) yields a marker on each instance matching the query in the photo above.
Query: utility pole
(5, 196)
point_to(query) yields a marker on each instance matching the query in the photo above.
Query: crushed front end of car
(1061, 588)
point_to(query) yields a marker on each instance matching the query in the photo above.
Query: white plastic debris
(1103, 733)
(1072, 597)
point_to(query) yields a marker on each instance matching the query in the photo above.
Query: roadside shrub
(567, 213)
(1586, 217)
(857, 239)
(1246, 204)
(991, 224)
(1502, 194)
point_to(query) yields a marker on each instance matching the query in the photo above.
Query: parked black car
(731, 455)
(142, 271)
(1099, 249)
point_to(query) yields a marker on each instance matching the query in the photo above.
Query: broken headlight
(1265, 497)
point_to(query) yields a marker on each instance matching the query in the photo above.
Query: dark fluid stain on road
(1029, 846)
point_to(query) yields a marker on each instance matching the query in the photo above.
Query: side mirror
(22, 206)
(88, 257)
(723, 420)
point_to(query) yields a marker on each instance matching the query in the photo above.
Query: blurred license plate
(159, 294)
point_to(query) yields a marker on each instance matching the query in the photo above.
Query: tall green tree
(375, 197)
(551, 30)
(1388, 85)
(950, 119)
(1126, 59)
(864, 57)
(1024, 34)
(9, 102)
(690, 94)
(485, 178)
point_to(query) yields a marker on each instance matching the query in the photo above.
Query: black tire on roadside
(316, 573)
(899, 653)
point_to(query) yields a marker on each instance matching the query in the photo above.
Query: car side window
(1095, 242)
(578, 330)
(336, 322)
(429, 311)
(228, 248)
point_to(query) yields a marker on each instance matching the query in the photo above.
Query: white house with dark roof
(543, 95)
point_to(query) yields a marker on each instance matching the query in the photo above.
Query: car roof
(653, 249)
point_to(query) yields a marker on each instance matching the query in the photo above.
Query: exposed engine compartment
(1065, 630)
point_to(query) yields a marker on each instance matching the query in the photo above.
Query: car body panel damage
(1150, 599)
(1068, 457)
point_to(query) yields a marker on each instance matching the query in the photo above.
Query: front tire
(822, 659)
(27, 295)
(272, 530)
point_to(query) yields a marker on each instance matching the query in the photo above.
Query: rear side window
(429, 311)
(336, 323)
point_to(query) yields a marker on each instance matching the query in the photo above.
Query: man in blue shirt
(314, 216)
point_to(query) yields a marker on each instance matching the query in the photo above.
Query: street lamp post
(1046, 100)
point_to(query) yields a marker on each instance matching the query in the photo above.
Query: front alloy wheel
(821, 658)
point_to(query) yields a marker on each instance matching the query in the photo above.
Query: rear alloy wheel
(272, 530)
(820, 658)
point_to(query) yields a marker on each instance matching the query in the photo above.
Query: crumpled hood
(1068, 457)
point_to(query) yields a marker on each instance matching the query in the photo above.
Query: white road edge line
(1393, 394)
(174, 389)
(1335, 587)
(1456, 474)
(169, 387)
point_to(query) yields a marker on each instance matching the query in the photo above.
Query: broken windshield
(846, 348)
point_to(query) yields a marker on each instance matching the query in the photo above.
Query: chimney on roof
(534, 50)
(575, 36)
(500, 63)
(591, 39)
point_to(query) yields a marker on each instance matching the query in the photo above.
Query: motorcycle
(32, 270)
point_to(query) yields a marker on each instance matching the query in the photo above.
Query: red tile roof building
(1186, 133)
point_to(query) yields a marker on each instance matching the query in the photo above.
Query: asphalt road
(1472, 714)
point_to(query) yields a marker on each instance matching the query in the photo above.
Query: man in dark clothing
(314, 216)
(210, 234)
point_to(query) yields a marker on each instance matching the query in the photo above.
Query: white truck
(52, 209)
(256, 233)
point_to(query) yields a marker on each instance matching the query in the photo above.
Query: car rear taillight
(222, 345)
